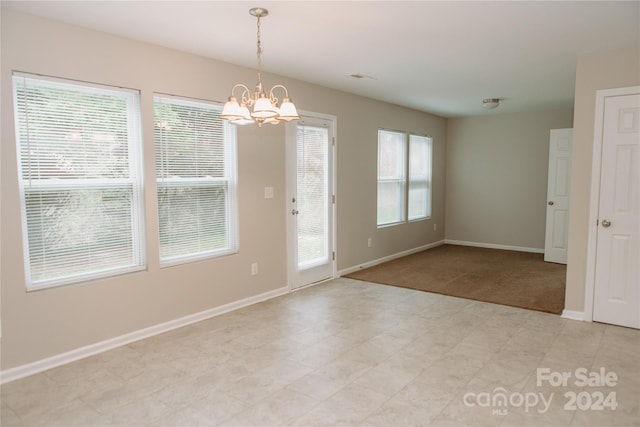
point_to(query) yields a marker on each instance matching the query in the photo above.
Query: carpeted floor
(518, 279)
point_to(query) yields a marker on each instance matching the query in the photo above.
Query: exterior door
(310, 201)
(617, 268)
(558, 186)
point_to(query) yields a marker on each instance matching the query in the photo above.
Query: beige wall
(40, 324)
(496, 170)
(593, 72)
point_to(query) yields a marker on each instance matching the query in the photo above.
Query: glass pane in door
(312, 196)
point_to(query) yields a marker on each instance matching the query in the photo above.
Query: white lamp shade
(272, 120)
(242, 121)
(288, 111)
(244, 118)
(244, 112)
(231, 110)
(263, 108)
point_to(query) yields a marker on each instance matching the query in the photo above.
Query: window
(80, 179)
(196, 179)
(419, 177)
(391, 177)
(393, 161)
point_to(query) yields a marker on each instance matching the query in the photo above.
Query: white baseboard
(492, 246)
(573, 315)
(389, 258)
(92, 349)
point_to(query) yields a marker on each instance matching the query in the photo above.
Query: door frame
(333, 211)
(594, 206)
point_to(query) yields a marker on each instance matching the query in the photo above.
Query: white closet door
(617, 275)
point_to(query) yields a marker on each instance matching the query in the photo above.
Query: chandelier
(258, 106)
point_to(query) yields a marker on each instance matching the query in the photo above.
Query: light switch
(268, 192)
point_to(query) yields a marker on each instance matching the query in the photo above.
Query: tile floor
(348, 353)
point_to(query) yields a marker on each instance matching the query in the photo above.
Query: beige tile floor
(347, 353)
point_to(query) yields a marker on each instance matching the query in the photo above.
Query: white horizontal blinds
(312, 195)
(196, 178)
(419, 177)
(80, 179)
(391, 176)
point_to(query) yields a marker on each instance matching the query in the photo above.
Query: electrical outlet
(369, 242)
(268, 192)
(254, 269)
(435, 227)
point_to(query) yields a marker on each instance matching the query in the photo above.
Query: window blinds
(196, 180)
(312, 195)
(419, 177)
(80, 179)
(391, 176)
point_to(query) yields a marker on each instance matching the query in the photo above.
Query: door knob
(294, 212)
(606, 223)
(550, 203)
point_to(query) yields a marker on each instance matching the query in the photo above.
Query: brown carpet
(518, 279)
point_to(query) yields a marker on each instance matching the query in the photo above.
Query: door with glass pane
(310, 204)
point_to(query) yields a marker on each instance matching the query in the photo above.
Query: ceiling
(441, 57)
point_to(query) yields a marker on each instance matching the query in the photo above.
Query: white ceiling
(441, 57)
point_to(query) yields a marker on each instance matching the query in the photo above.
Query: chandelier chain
(259, 53)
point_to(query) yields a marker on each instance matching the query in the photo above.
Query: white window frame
(405, 180)
(230, 181)
(422, 181)
(134, 181)
(399, 181)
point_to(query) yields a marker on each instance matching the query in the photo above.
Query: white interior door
(310, 201)
(617, 269)
(558, 186)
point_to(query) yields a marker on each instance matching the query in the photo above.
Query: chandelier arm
(272, 95)
(245, 96)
